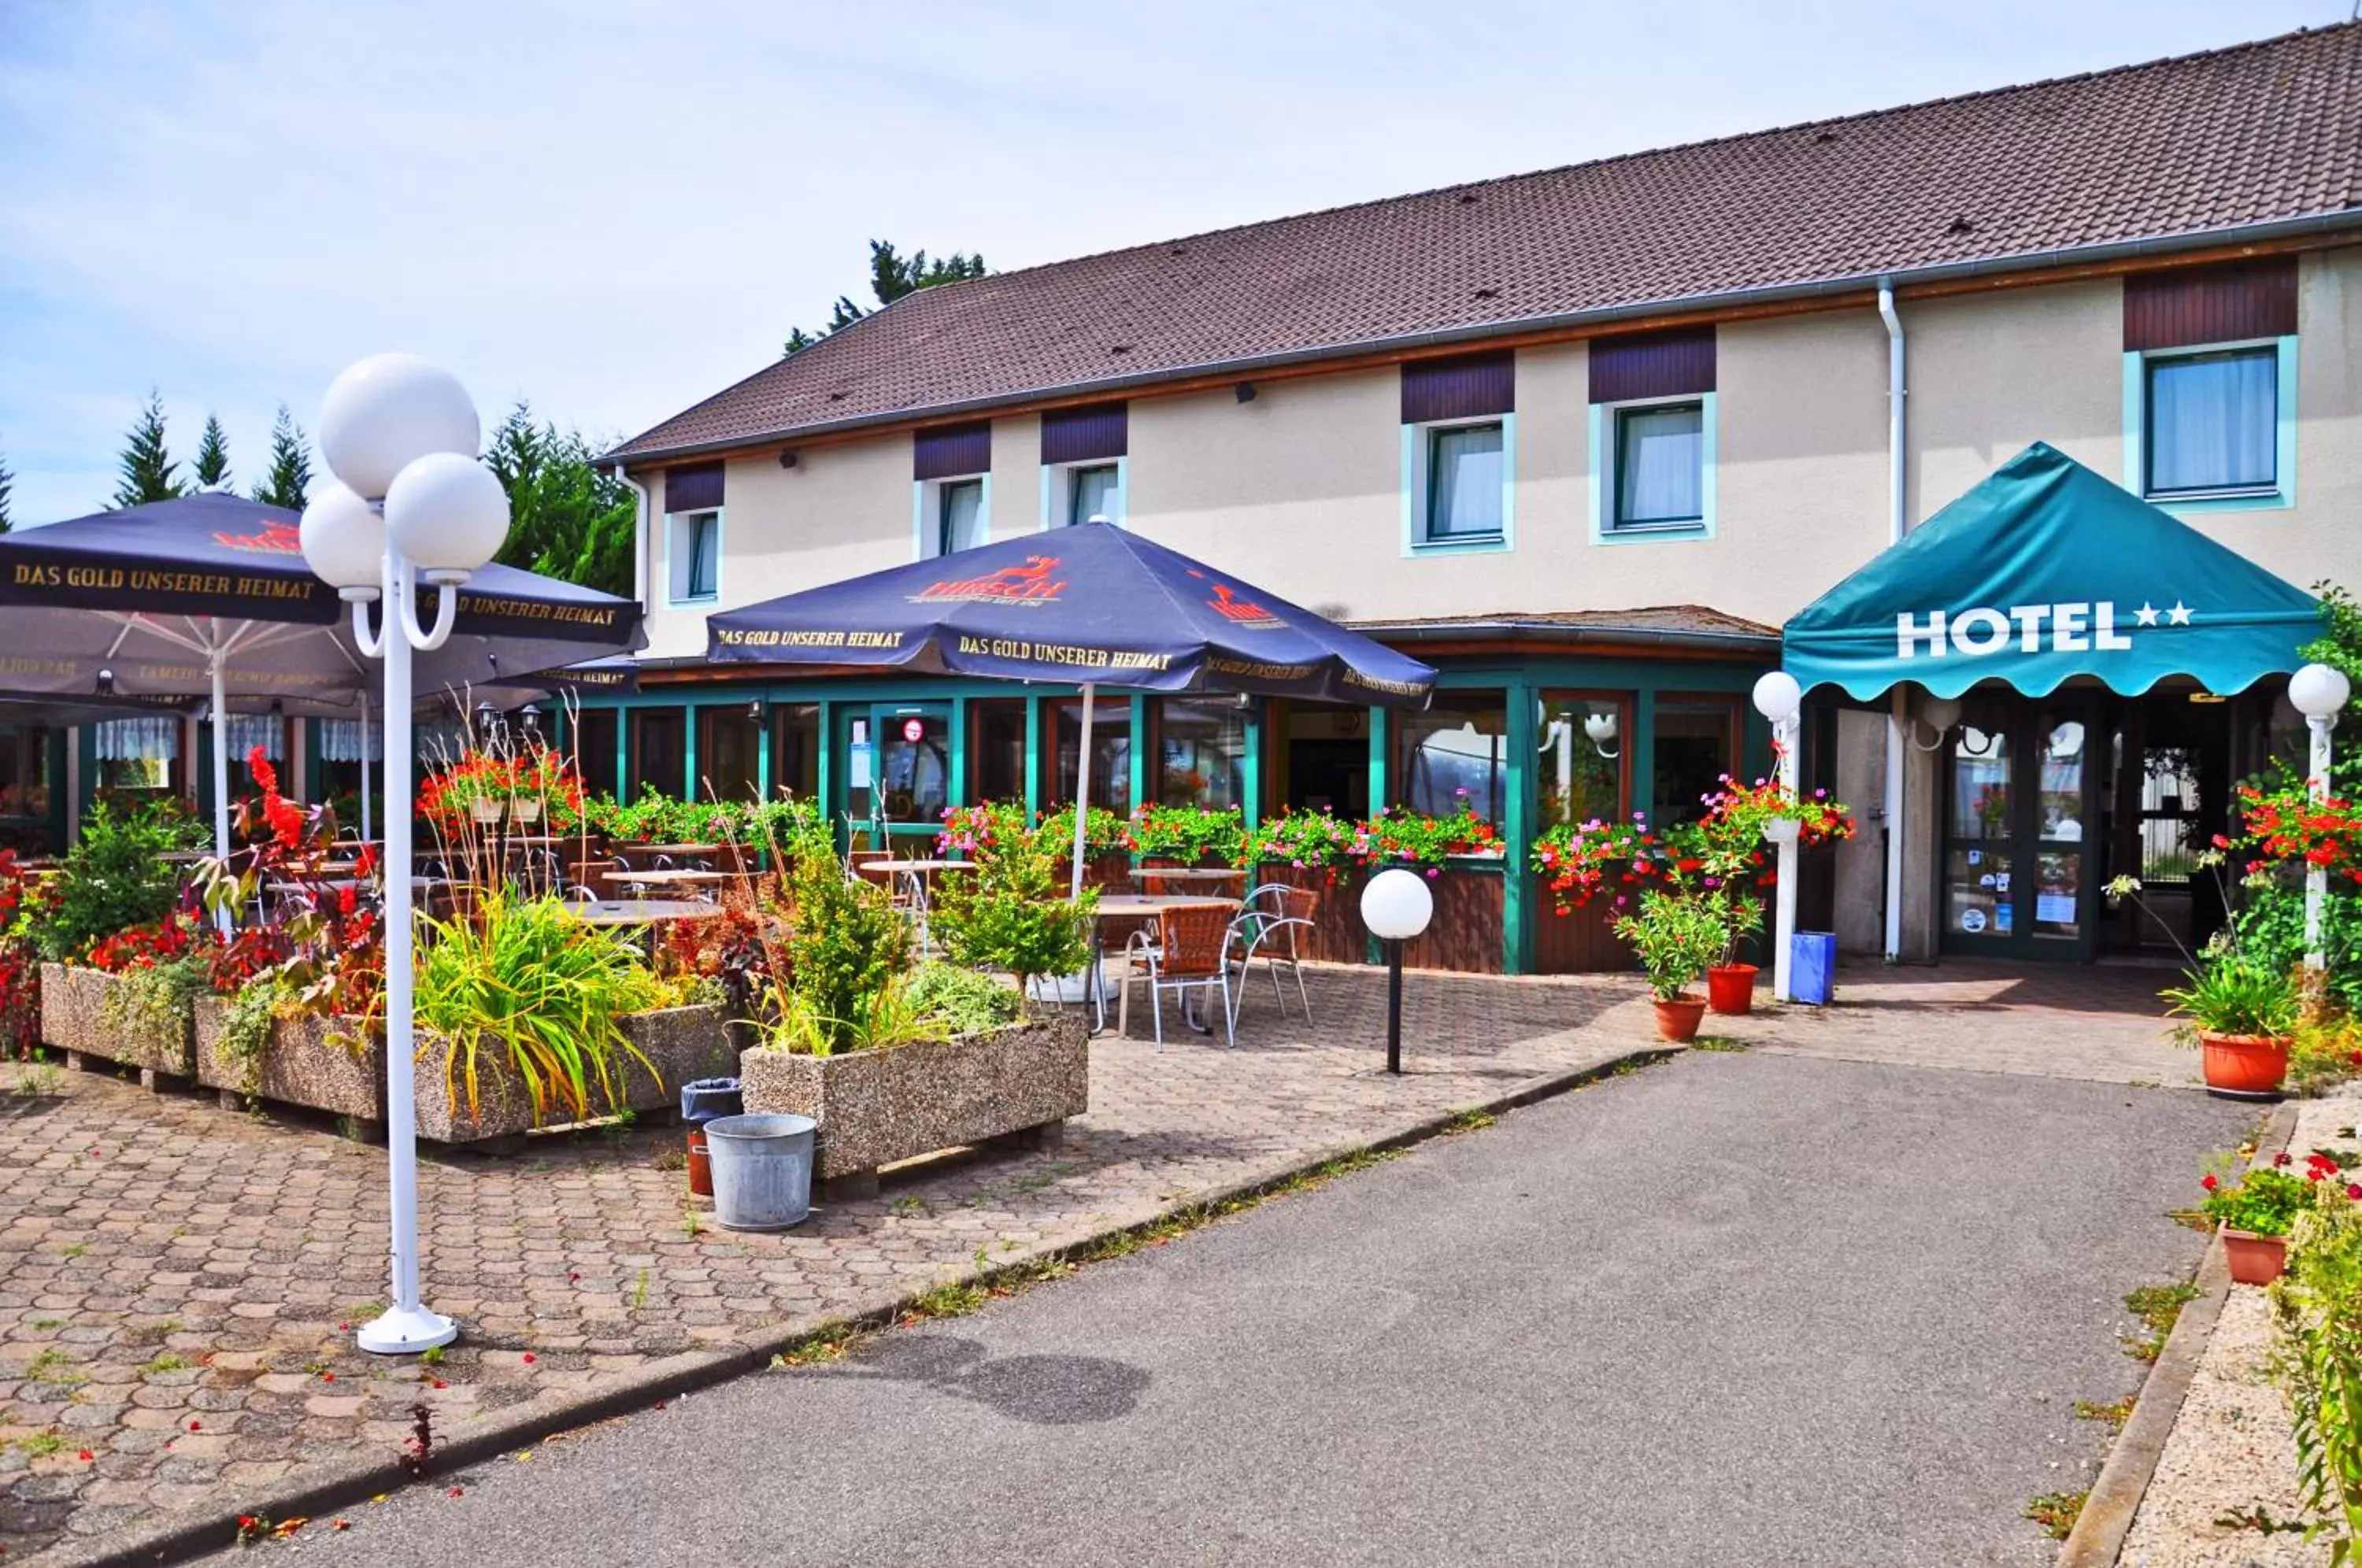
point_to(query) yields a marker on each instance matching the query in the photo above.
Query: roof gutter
(1773, 294)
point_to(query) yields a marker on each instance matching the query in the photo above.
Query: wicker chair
(1275, 920)
(1190, 951)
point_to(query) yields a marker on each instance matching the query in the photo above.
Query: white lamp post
(1779, 698)
(1395, 906)
(414, 505)
(2318, 693)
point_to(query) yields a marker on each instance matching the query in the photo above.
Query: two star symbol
(2178, 616)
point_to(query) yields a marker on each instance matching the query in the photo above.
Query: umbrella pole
(1082, 789)
(218, 719)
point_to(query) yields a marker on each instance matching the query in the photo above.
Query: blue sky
(615, 208)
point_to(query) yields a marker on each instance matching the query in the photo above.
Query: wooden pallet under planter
(74, 1019)
(312, 1062)
(877, 1107)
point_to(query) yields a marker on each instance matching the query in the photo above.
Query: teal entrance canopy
(2045, 571)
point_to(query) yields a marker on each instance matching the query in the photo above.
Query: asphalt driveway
(1731, 1310)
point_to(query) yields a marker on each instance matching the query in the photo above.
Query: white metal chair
(1269, 928)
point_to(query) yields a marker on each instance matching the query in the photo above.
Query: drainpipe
(1896, 525)
(639, 539)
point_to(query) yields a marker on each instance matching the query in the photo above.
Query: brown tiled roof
(2239, 137)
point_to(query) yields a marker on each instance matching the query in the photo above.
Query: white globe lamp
(1778, 697)
(1941, 713)
(447, 514)
(2318, 692)
(344, 543)
(1395, 906)
(387, 412)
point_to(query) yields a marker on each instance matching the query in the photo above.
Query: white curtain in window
(247, 731)
(2214, 421)
(341, 740)
(960, 525)
(1094, 493)
(1465, 483)
(704, 567)
(149, 738)
(1661, 466)
(440, 743)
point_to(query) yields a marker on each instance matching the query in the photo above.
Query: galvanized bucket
(762, 1170)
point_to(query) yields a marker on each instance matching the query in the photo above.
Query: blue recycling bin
(1812, 967)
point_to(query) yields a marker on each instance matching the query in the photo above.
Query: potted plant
(1677, 936)
(2255, 1211)
(1186, 835)
(1729, 984)
(2240, 1014)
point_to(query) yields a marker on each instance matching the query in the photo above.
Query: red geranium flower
(2207, 1182)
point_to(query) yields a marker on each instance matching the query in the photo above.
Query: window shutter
(1468, 386)
(1084, 434)
(947, 451)
(695, 489)
(1678, 363)
(2186, 306)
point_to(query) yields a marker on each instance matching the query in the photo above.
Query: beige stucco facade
(1302, 488)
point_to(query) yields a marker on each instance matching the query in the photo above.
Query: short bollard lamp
(2318, 693)
(1395, 906)
(412, 508)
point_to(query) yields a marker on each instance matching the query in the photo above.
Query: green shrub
(966, 1000)
(2317, 1305)
(847, 946)
(527, 980)
(1012, 913)
(2230, 992)
(2264, 1202)
(1677, 937)
(114, 878)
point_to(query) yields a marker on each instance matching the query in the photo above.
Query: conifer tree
(146, 466)
(211, 466)
(288, 481)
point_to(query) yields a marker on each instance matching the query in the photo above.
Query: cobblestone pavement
(2073, 1021)
(178, 1283)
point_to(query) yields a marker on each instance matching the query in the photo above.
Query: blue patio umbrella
(209, 596)
(1096, 605)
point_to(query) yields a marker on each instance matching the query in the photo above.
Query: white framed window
(693, 557)
(1653, 469)
(2213, 427)
(1076, 492)
(949, 515)
(1459, 485)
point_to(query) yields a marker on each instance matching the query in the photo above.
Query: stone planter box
(303, 1066)
(74, 1019)
(877, 1107)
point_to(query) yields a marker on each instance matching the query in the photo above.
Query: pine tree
(288, 482)
(891, 276)
(147, 466)
(211, 468)
(7, 482)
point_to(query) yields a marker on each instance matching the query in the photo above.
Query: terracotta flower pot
(1730, 988)
(2254, 1260)
(1678, 1018)
(2243, 1063)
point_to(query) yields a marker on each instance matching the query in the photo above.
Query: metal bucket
(762, 1170)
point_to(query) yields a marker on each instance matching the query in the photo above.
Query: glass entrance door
(897, 771)
(2018, 794)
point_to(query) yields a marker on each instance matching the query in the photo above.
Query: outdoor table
(339, 884)
(184, 856)
(641, 912)
(681, 877)
(679, 851)
(1139, 906)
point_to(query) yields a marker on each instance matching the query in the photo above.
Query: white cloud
(618, 208)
